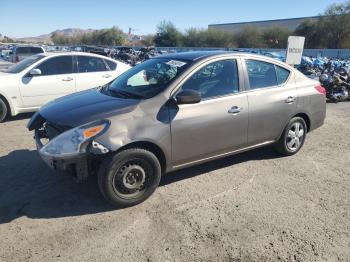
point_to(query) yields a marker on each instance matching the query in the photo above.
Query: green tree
(6, 39)
(192, 38)
(336, 25)
(167, 35)
(276, 37)
(148, 40)
(111, 36)
(208, 38)
(249, 37)
(310, 30)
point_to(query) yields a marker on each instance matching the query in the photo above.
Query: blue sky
(35, 17)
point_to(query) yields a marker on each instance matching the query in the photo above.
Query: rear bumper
(317, 118)
(76, 166)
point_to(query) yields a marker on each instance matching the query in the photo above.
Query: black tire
(285, 144)
(129, 177)
(4, 110)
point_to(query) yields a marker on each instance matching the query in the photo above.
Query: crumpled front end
(69, 149)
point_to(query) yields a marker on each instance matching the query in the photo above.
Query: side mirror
(35, 72)
(188, 97)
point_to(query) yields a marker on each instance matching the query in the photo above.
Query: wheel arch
(7, 102)
(150, 146)
(303, 116)
(306, 119)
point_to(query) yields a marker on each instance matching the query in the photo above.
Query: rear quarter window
(282, 75)
(112, 65)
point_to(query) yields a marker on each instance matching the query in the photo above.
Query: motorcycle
(337, 85)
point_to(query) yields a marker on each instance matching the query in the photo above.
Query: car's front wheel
(4, 110)
(293, 137)
(129, 177)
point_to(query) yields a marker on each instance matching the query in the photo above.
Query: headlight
(74, 141)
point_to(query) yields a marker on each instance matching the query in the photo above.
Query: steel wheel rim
(295, 136)
(131, 179)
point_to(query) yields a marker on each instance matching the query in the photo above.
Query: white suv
(39, 79)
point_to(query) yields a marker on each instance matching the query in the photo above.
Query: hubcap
(133, 176)
(295, 136)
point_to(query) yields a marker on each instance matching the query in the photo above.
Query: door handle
(106, 76)
(67, 79)
(235, 110)
(289, 100)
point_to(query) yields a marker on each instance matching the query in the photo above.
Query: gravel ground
(254, 206)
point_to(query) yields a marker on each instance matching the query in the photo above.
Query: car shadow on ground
(20, 117)
(29, 188)
(257, 154)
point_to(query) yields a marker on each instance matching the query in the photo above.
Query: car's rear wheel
(4, 110)
(293, 137)
(129, 177)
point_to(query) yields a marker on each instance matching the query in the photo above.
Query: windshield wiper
(125, 94)
(103, 88)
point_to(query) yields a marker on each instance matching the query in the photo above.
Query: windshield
(148, 79)
(19, 67)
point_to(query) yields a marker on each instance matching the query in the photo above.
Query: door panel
(216, 125)
(92, 72)
(206, 129)
(269, 112)
(271, 100)
(57, 79)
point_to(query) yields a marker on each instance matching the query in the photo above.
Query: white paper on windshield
(176, 63)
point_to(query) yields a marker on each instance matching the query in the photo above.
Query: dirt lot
(253, 206)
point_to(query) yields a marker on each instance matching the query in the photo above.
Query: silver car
(176, 111)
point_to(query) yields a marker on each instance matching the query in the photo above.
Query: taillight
(17, 58)
(321, 89)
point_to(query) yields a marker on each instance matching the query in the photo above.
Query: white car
(39, 79)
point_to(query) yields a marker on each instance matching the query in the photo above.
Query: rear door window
(57, 66)
(282, 74)
(88, 64)
(261, 74)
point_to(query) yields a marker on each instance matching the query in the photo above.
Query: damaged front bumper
(77, 166)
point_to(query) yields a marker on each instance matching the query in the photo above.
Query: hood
(83, 107)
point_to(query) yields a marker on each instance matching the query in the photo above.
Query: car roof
(75, 53)
(24, 45)
(195, 55)
(198, 55)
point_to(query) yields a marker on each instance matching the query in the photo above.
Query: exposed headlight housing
(73, 142)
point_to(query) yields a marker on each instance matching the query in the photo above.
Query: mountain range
(46, 38)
